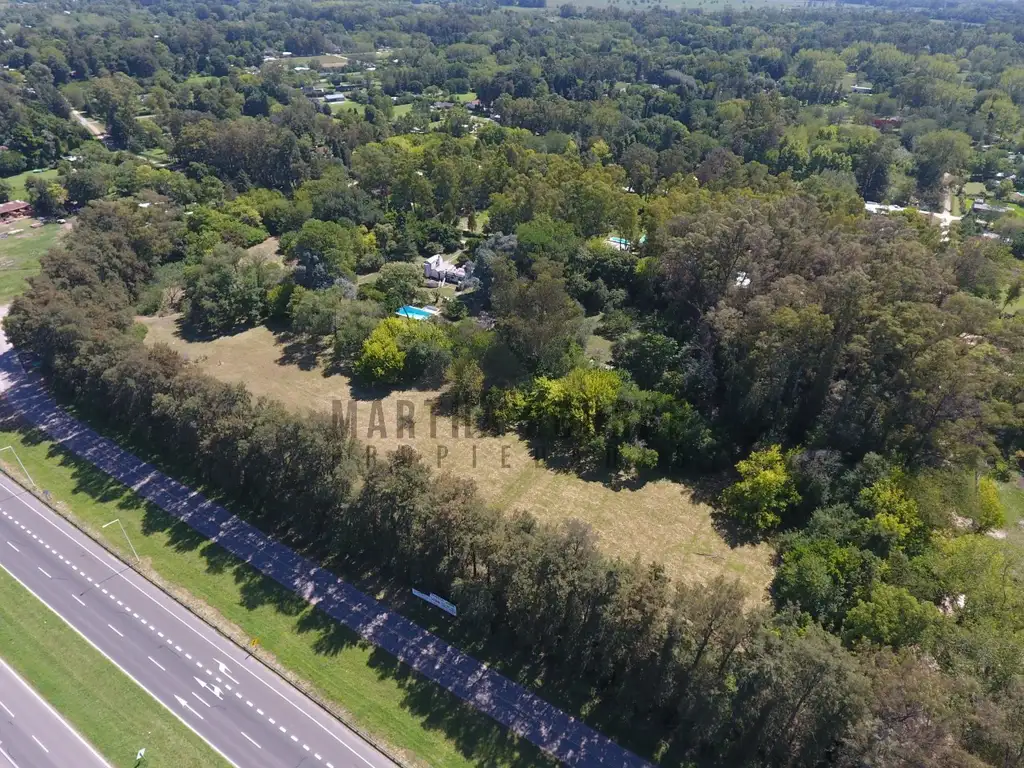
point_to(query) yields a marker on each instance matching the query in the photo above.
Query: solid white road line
(99, 650)
(221, 648)
(157, 663)
(200, 699)
(44, 572)
(41, 746)
(250, 740)
(78, 600)
(43, 701)
(119, 634)
(8, 758)
(13, 547)
(6, 709)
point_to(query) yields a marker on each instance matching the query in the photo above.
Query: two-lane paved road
(33, 734)
(244, 711)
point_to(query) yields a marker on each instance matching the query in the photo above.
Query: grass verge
(104, 705)
(369, 688)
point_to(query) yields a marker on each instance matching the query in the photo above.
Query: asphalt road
(33, 735)
(244, 711)
(562, 735)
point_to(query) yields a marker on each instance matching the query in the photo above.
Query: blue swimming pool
(414, 313)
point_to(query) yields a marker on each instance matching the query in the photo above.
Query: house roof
(14, 205)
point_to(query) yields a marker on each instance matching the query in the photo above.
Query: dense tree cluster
(622, 626)
(688, 186)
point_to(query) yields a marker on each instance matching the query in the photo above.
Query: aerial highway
(244, 711)
(562, 735)
(33, 734)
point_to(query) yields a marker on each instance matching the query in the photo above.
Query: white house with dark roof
(436, 268)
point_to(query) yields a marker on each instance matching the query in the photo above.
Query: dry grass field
(657, 521)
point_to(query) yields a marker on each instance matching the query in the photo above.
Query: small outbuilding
(15, 209)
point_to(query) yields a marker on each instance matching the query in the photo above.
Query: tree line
(717, 684)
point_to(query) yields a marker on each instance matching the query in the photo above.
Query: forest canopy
(795, 233)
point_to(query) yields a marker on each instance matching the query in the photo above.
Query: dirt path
(92, 126)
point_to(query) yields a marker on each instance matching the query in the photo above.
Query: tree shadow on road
(481, 740)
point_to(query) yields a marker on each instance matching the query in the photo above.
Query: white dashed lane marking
(250, 740)
(160, 634)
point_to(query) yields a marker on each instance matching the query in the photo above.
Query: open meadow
(20, 252)
(17, 182)
(656, 521)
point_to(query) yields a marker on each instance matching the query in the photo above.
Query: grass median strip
(414, 716)
(95, 697)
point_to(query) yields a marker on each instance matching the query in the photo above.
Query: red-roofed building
(15, 209)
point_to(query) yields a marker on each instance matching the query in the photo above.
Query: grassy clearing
(348, 106)
(1012, 497)
(104, 705)
(267, 249)
(326, 61)
(20, 254)
(599, 348)
(659, 520)
(974, 189)
(201, 79)
(464, 97)
(156, 154)
(18, 191)
(402, 109)
(371, 688)
(1015, 306)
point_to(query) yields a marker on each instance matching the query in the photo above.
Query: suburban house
(984, 210)
(436, 268)
(15, 209)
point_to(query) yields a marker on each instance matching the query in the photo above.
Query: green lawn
(18, 182)
(464, 97)
(974, 189)
(402, 109)
(326, 60)
(201, 79)
(103, 704)
(1013, 502)
(19, 257)
(155, 155)
(599, 348)
(378, 693)
(350, 106)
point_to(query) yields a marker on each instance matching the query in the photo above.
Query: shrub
(990, 508)
(404, 351)
(634, 457)
(765, 490)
